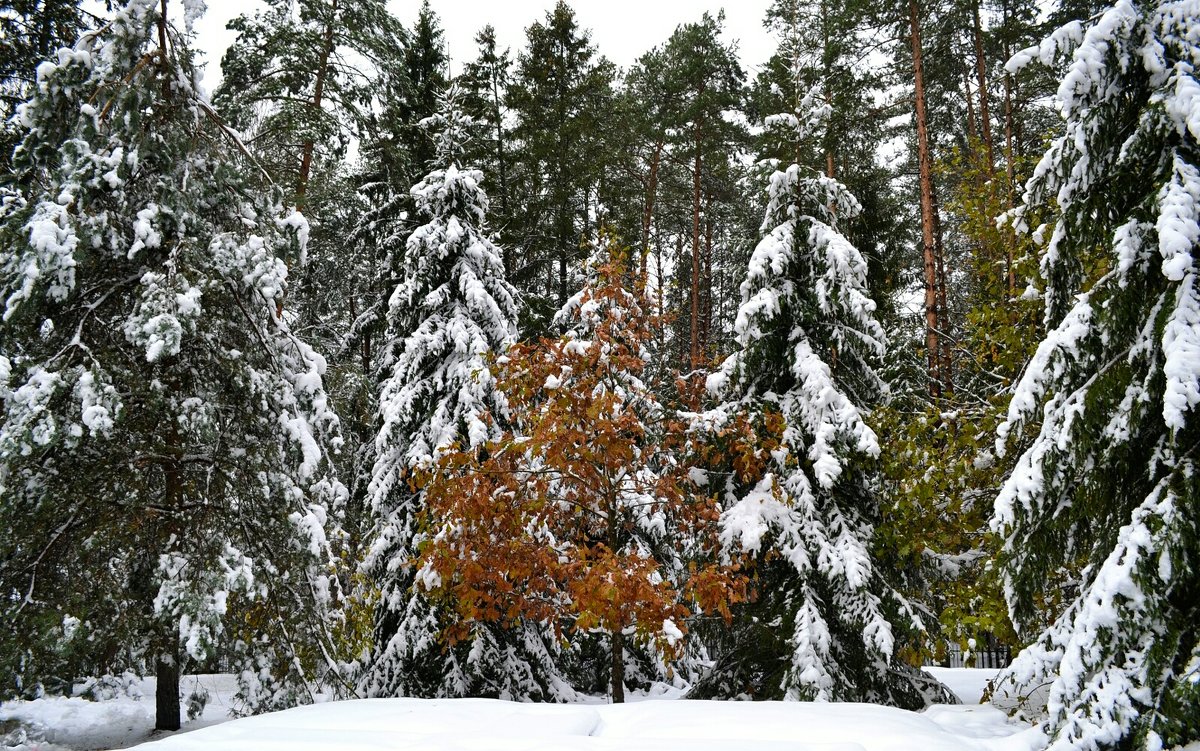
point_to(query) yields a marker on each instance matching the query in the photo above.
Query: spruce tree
(425, 63)
(800, 500)
(1100, 515)
(164, 439)
(450, 313)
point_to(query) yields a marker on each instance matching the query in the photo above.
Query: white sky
(621, 29)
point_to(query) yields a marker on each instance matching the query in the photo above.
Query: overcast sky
(621, 29)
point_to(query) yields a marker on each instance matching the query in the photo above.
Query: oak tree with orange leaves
(584, 516)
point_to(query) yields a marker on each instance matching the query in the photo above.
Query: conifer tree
(1101, 512)
(451, 312)
(485, 81)
(164, 438)
(30, 31)
(800, 498)
(560, 95)
(704, 80)
(299, 80)
(425, 63)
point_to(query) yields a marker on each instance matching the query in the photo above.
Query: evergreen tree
(705, 80)
(485, 81)
(450, 313)
(299, 80)
(425, 63)
(560, 94)
(163, 445)
(800, 501)
(1102, 509)
(303, 80)
(30, 32)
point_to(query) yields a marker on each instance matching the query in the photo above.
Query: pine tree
(164, 440)
(451, 311)
(799, 500)
(1101, 512)
(560, 94)
(705, 80)
(300, 78)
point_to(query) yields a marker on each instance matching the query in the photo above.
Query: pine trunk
(1010, 261)
(928, 209)
(706, 316)
(981, 75)
(648, 213)
(694, 360)
(318, 98)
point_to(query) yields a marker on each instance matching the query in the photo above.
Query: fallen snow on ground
(651, 721)
(491, 725)
(968, 684)
(59, 723)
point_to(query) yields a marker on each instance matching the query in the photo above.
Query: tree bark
(706, 316)
(618, 668)
(1010, 167)
(166, 693)
(318, 98)
(928, 209)
(166, 665)
(981, 75)
(648, 213)
(694, 360)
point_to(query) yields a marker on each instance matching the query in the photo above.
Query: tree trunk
(981, 75)
(166, 693)
(694, 360)
(648, 213)
(1012, 176)
(166, 665)
(706, 316)
(618, 667)
(972, 131)
(946, 366)
(502, 168)
(928, 209)
(318, 98)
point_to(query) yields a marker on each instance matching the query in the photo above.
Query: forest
(553, 379)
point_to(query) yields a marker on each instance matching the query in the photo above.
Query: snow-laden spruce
(451, 312)
(807, 339)
(164, 436)
(1104, 503)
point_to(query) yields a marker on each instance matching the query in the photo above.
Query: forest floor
(648, 722)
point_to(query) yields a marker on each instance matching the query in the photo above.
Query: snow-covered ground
(58, 723)
(968, 684)
(655, 722)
